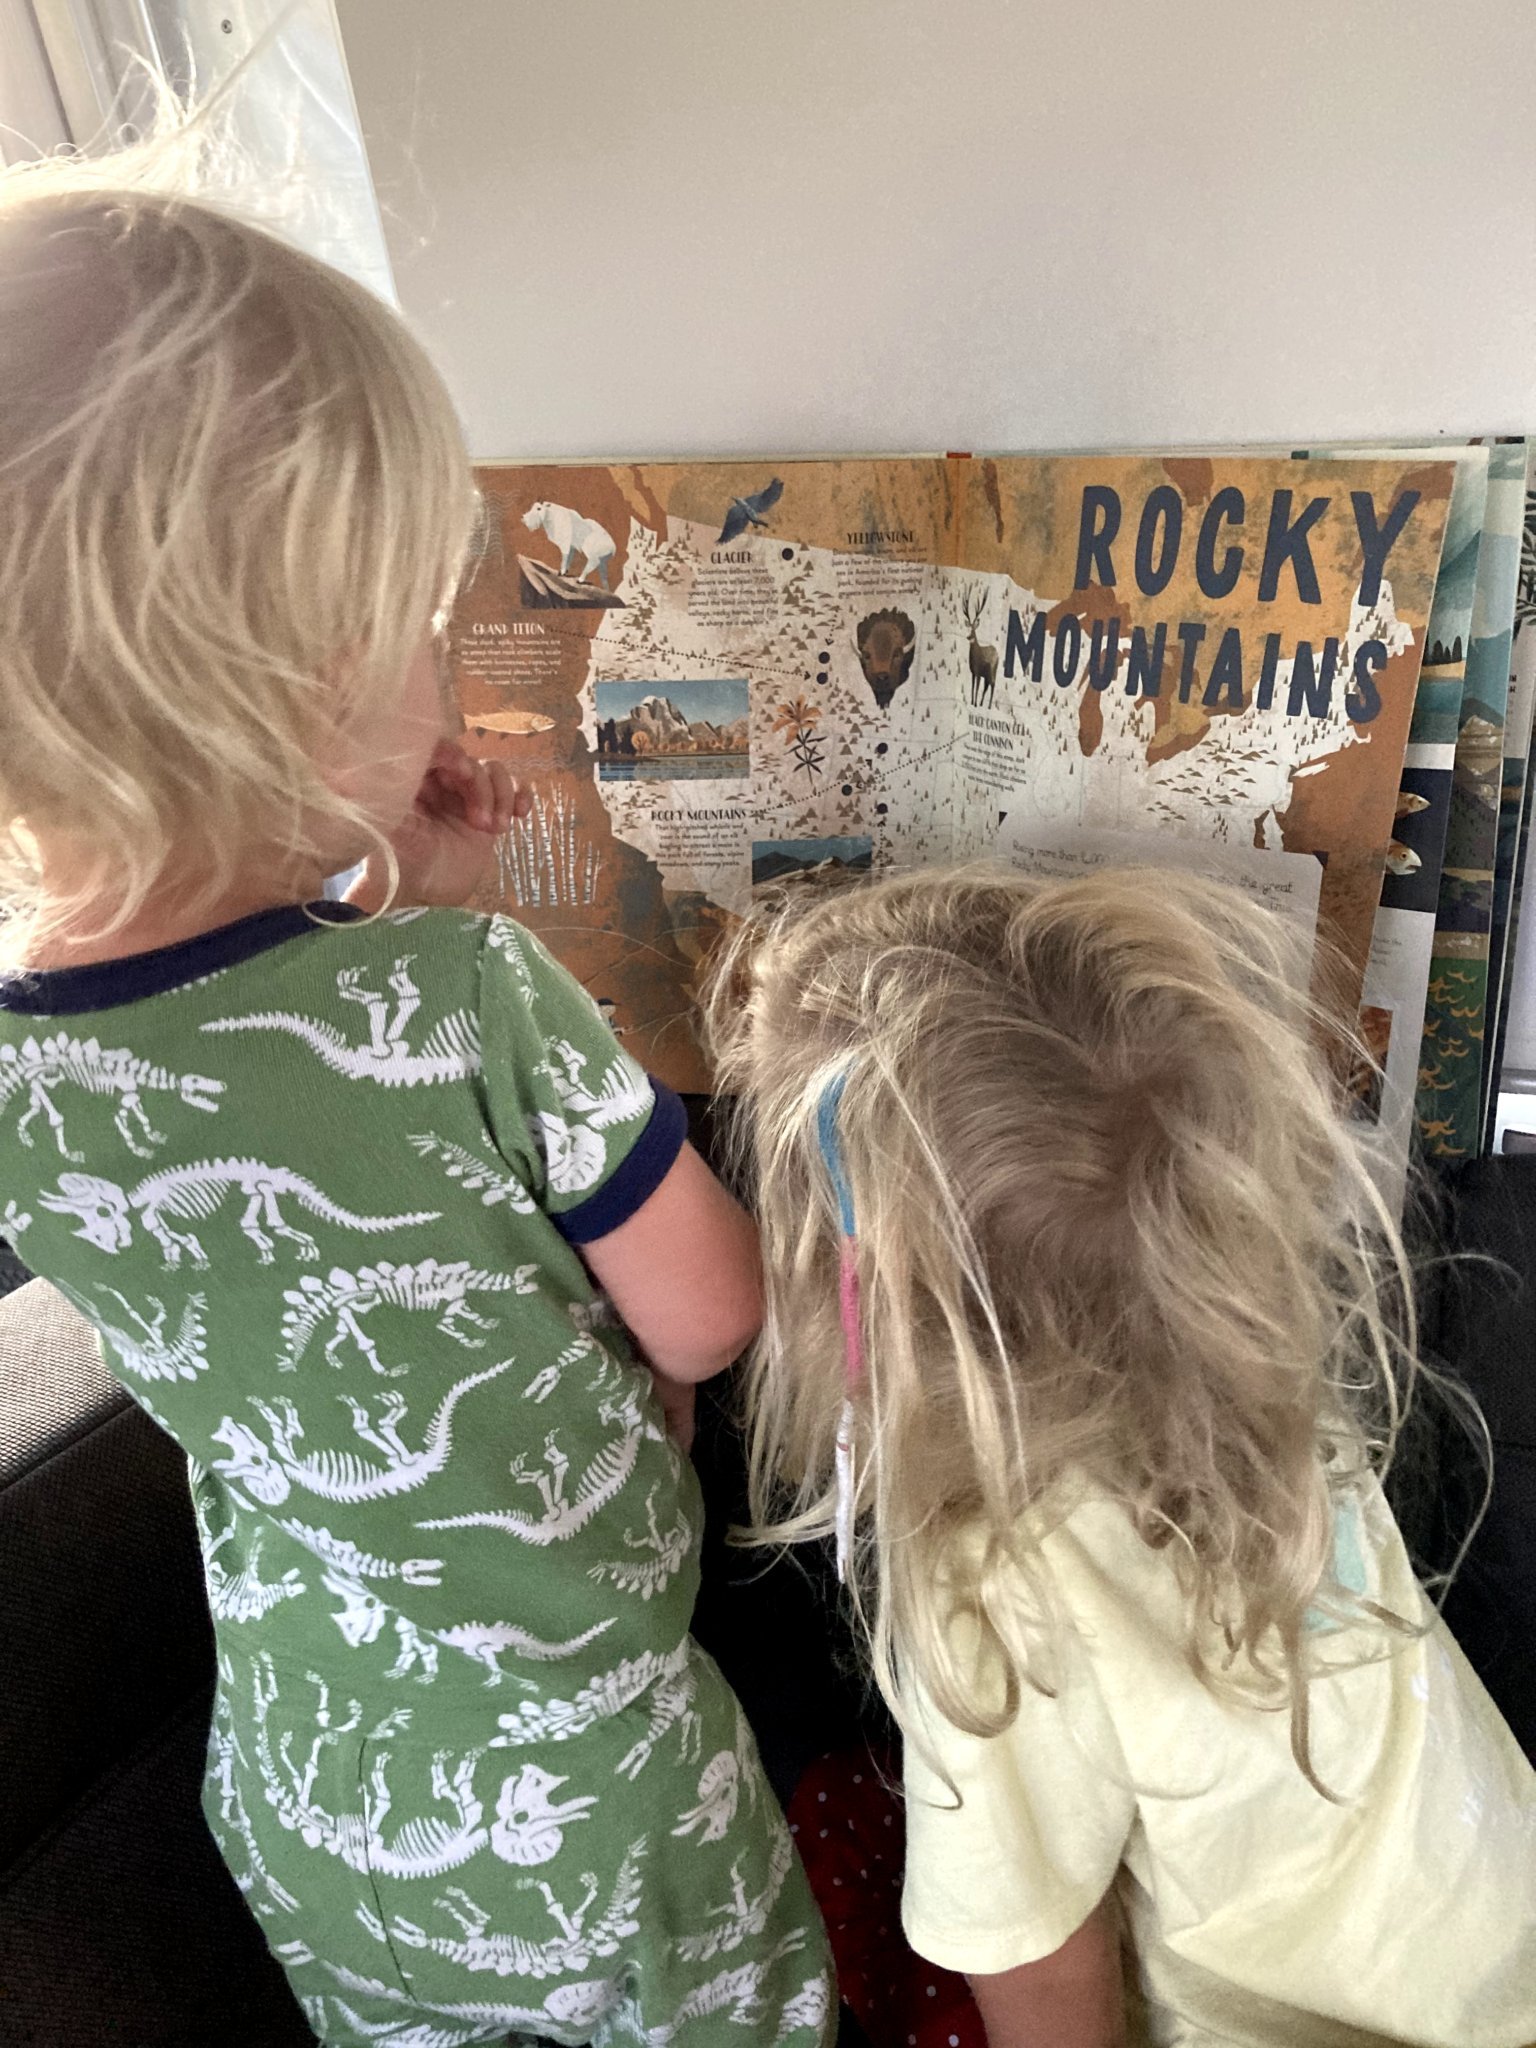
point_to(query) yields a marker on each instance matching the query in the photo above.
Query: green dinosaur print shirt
(318, 1185)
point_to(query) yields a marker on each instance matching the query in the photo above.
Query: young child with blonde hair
(340, 1191)
(1078, 1339)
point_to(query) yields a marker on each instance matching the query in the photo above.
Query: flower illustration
(797, 719)
(798, 722)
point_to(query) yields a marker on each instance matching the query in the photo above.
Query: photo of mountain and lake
(660, 732)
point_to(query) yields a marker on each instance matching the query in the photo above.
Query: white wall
(703, 226)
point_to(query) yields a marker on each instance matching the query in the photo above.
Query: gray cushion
(102, 1613)
(53, 1385)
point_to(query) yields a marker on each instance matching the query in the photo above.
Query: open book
(716, 674)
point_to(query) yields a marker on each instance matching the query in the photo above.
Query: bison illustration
(885, 643)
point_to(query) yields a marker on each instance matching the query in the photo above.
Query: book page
(1288, 883)
(716, 675)
(1398, 974)
(1216, 648)
(712, 676)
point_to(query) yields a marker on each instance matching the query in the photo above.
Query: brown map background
(637, 949)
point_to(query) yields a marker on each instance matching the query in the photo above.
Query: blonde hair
(233, 496)
(1114, 1232)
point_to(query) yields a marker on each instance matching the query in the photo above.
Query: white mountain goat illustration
(39, 1066)
(449, 1052)
(195, 1192)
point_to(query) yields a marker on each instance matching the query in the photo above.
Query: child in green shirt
(348, 1196)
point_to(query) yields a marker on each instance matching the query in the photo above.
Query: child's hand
(444, 845)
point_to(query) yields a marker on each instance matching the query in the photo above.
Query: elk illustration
(983, 659)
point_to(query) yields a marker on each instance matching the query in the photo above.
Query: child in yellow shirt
(1076, 1339)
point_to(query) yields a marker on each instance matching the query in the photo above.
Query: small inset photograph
(666, 732)
(773, 860)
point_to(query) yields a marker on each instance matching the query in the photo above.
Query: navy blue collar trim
(107, 984)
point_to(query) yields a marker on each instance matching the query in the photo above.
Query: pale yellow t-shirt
(1262, 1915)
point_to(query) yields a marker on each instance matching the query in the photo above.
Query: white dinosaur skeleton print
(243, 1595)
(39, 1067)
(449, 1548)
(270, 1468)
(618, 1097)
(665, 1683)
(581, 1939)
(563, 1513)
(350, 1558)
(440, 1288)
(571, 1140)
(197, 1191)
(364, 1614)
(450, 1051)
(140, 1341)
(492, 1183)
(664, 1554)
(738, 1997)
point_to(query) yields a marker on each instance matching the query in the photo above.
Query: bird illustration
(745, 512)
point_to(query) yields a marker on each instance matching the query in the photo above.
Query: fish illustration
(1409, 803)
(519, 723)
(1402, 860)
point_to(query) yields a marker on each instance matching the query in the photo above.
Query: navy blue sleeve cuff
(639, 1173)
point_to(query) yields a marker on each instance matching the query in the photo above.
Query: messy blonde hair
(1114, 1234)
(233, 496)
